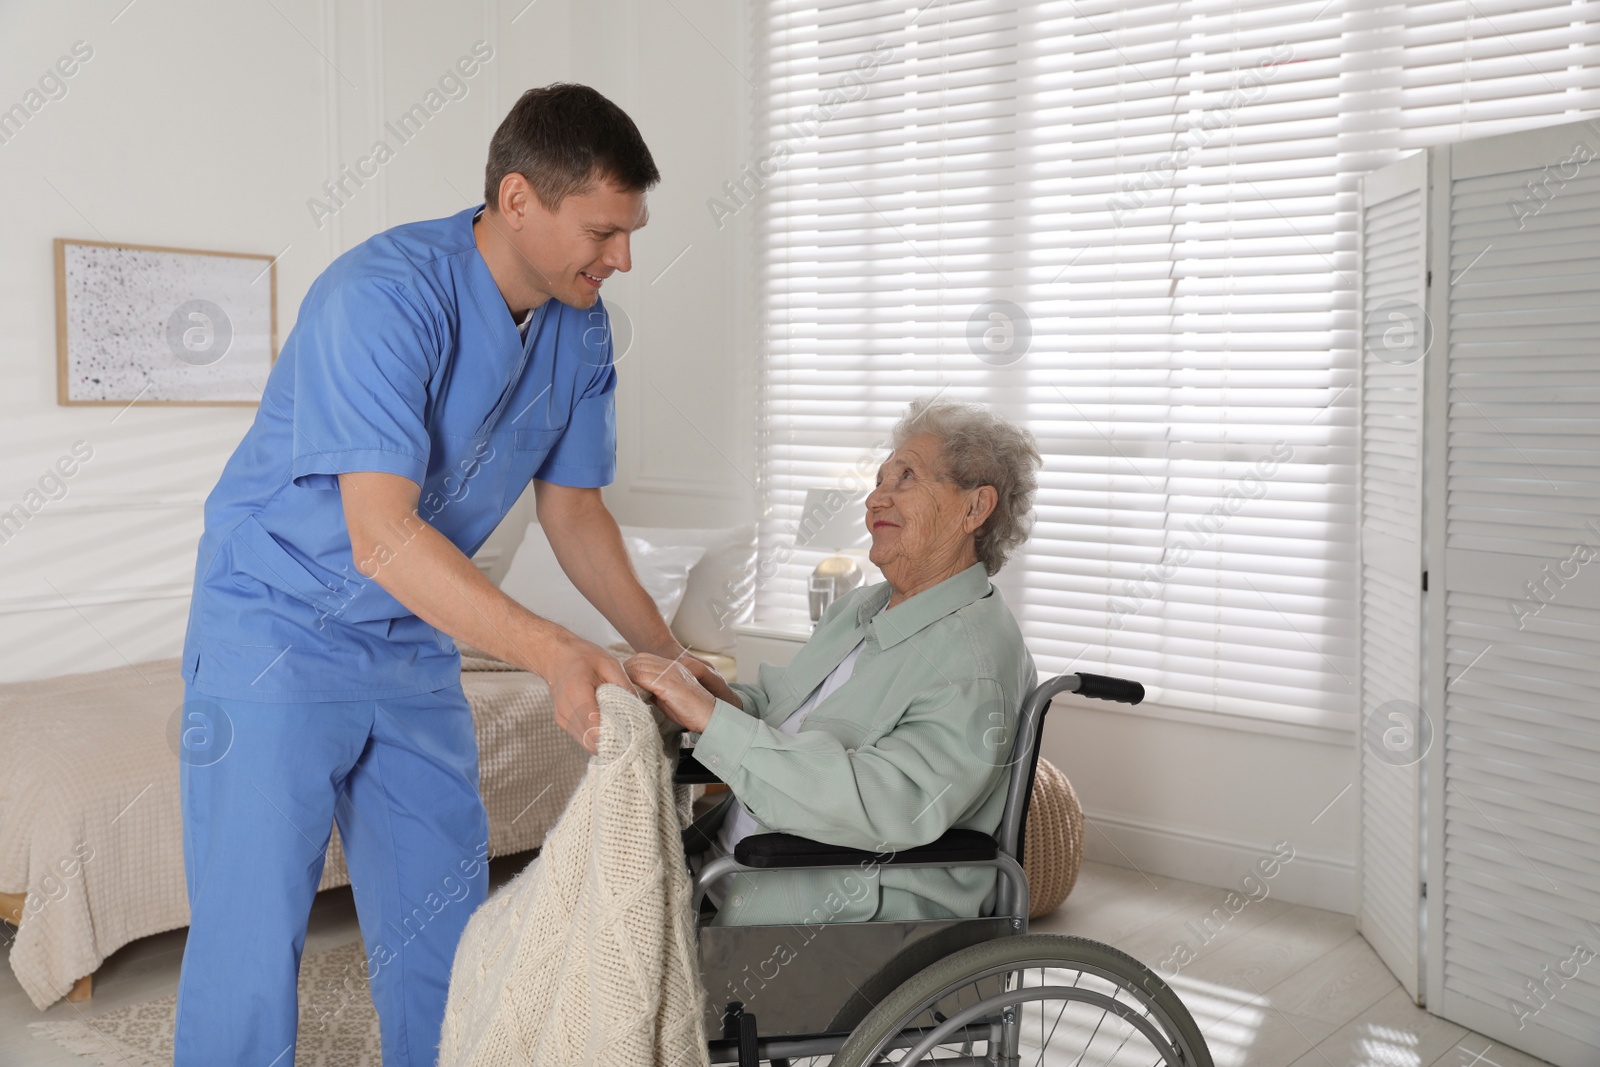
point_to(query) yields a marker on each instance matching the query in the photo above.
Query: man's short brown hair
(563, 138)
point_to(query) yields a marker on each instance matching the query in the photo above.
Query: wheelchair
(938, 991)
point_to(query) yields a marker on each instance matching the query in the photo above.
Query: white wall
(1204, 803)
(686, 416)
(210, 126)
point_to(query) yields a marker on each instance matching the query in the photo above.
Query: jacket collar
(893, 625)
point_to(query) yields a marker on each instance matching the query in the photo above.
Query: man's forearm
(436, 580)
(428, 574)
(588, 545)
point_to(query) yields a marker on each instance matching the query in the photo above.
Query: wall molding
(1153, 709)
(682, 487)
(1319, 881)
(81, 502)
(128, 594)
(491, 103)
(377, 101)
(333, 234)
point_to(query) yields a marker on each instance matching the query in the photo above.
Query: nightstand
(767, 642)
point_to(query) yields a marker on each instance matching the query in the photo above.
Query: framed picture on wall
(163, 325)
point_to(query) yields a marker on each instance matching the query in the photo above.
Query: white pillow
(722, 587)
(536, 581)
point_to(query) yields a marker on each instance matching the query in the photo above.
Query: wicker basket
(1053, 846)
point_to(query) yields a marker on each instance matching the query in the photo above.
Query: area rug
(338, 1024)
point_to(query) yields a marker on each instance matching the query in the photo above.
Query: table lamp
(832, 520)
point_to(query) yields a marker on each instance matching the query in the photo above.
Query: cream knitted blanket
(588, 956)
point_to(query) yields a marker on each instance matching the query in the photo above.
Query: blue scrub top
(404, 359)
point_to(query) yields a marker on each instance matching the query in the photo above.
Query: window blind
(1131, 227)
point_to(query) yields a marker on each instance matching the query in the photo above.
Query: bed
(91, 850)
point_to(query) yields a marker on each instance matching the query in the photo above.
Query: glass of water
(822, 590)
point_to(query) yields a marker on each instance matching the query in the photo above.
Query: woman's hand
(678, 693)
(711, 678)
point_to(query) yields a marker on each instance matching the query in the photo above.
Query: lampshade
(833, 519)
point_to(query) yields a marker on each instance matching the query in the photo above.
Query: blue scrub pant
(400, 776)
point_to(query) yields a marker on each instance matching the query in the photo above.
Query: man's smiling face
(568, 253)
(574, 249)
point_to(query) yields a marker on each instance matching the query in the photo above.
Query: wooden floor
(1278, 986)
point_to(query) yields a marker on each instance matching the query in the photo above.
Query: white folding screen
(1513, 643)
(1480, 444)
(1394, 273)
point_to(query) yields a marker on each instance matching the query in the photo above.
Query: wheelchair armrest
(691, 771)
(770, 851)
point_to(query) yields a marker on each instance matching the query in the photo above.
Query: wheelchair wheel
(1042, 999)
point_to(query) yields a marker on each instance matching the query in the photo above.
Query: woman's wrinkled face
(915, 513)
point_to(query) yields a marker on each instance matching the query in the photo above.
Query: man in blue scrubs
(434, 371)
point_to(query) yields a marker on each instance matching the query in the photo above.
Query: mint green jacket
(912, 745)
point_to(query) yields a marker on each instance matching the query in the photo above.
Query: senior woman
(893, 722)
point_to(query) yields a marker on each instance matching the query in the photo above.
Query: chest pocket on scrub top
(525, 456)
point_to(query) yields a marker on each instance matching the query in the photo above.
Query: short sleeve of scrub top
(585, 456)
(361, 387)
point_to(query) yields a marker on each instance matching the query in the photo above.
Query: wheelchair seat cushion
(787, 850)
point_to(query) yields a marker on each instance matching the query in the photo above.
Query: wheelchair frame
(810, 1013)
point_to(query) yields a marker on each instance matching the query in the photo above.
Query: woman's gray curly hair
(979, 447)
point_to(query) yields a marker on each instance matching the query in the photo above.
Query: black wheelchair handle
(1100, 687)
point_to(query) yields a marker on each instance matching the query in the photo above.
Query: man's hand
(575, 668)
(675, 688)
